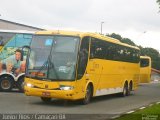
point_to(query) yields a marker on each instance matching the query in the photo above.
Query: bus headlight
(62, 87)
(29, 85)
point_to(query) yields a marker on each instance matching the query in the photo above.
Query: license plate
(46, 94)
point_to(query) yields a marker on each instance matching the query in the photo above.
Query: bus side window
(83, 57)
(1, 41)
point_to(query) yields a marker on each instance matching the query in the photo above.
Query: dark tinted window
(144, 63)
(105, 50)
(5, 37)
(83, 57)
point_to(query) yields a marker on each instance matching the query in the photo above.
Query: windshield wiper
(42, 67)
(50, 66)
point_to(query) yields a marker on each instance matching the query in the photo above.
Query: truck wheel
(20, 84)
(6, 83)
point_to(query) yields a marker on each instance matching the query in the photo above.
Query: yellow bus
(12, 58)
(76, 65)
(145, 69)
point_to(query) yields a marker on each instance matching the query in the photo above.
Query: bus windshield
(53, 57)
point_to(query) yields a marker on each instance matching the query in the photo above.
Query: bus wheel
(129, 88)
(6, 83)
(88, 95)
(125, 90)
(45, 99)
(20, 84)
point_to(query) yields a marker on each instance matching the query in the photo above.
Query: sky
(138, 20)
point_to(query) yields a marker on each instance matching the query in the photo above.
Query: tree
(120, 38)
(154, 54)
(114, 35)
(128, 41)
(158, 1)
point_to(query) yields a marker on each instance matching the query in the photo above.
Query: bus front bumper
(60, 94)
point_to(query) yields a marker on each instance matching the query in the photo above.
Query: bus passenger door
(82, 73)
(94, 71)
(95, 65)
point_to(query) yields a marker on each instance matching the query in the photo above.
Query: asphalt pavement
(100, 107)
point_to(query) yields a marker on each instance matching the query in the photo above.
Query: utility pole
(101, 26)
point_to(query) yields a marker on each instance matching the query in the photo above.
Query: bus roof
(145, 57)
(17, 31)
(82, 34)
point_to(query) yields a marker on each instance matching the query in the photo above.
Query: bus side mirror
(23, 50)
(22, 53)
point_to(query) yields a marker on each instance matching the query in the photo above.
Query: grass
(149, 113)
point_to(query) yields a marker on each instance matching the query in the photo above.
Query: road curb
(132, 111)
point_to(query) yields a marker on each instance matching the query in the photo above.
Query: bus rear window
(144, 63)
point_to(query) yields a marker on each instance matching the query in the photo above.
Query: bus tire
(46, 100)
(130, 88)
(88, 95)
(125, 90)
(6, 83)
(20, 84)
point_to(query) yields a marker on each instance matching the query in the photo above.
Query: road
(99, 108)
